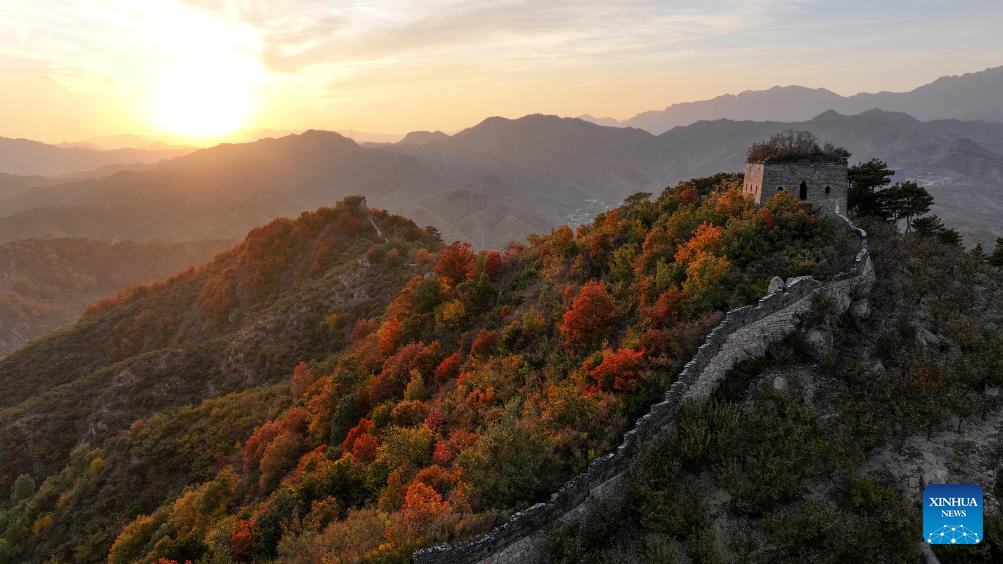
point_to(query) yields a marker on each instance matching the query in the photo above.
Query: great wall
(745, 332)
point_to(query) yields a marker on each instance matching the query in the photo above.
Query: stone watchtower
(817, 175)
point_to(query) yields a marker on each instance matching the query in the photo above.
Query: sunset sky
(204, 69)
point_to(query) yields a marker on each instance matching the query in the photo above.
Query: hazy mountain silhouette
(26, 157)
(493, 182)
(973, 96)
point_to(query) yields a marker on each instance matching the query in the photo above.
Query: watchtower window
(780, 188)
(826, 190)
(803, 190)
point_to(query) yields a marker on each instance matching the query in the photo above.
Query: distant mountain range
(973, 96)
(491, 183)
(26, 157)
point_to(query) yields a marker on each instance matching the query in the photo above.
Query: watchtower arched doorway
(803, 190)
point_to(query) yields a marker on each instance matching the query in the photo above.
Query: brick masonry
(826, 183)
(743, 333)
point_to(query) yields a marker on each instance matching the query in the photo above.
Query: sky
(212, 70)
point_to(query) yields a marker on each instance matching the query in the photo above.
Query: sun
(204, 103)
(206, 83)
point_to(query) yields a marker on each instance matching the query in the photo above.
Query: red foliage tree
(619, 371)
(666, 307)
(591, 316)
(393, 378)
(448, 368)
(446, 450)
(493, 262)
(455, 262)
(484, 343)
(364, 447)
(689, 195)
(242, 540)
(434, 419)
(256, 444)
(363, 426)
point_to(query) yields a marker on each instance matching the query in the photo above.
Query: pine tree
(928, 226)
(904, 200)
(865, 179)
(997, 257)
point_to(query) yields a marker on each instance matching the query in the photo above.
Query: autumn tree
(390, 335)
(455, 262)
(592, 314)
(619, 371)
(706, 238)
(704, 286)
(424, 511)
(280, 456)
(484, 343)
(448, 369)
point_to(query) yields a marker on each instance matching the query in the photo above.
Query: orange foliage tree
(707, 238)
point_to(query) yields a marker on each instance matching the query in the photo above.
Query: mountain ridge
(27, 157)
(493, 182)
(965, 96)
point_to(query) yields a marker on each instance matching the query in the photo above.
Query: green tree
(996, 259)
(978, 253)
(928, 226)
(865, 179)
(932, 226)
(24, 487)
(904, 200)
(950, 236)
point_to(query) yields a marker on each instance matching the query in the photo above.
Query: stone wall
(743, 333)
(752, 184)
(764, 180)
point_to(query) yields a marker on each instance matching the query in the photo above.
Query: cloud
(301, 34)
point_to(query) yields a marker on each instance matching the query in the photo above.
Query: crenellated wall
(744, 332)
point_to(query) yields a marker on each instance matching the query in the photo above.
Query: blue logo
(952, 514)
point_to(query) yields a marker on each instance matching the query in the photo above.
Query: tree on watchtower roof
(794, 146)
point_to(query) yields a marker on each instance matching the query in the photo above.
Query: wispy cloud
(298, 35)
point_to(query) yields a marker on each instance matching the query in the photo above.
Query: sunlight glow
(210, 87)
(204, 103)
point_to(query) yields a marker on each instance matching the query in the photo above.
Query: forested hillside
(47, 283)
(291, 291)
(489, 379)
(344, 387)
(834, 434)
